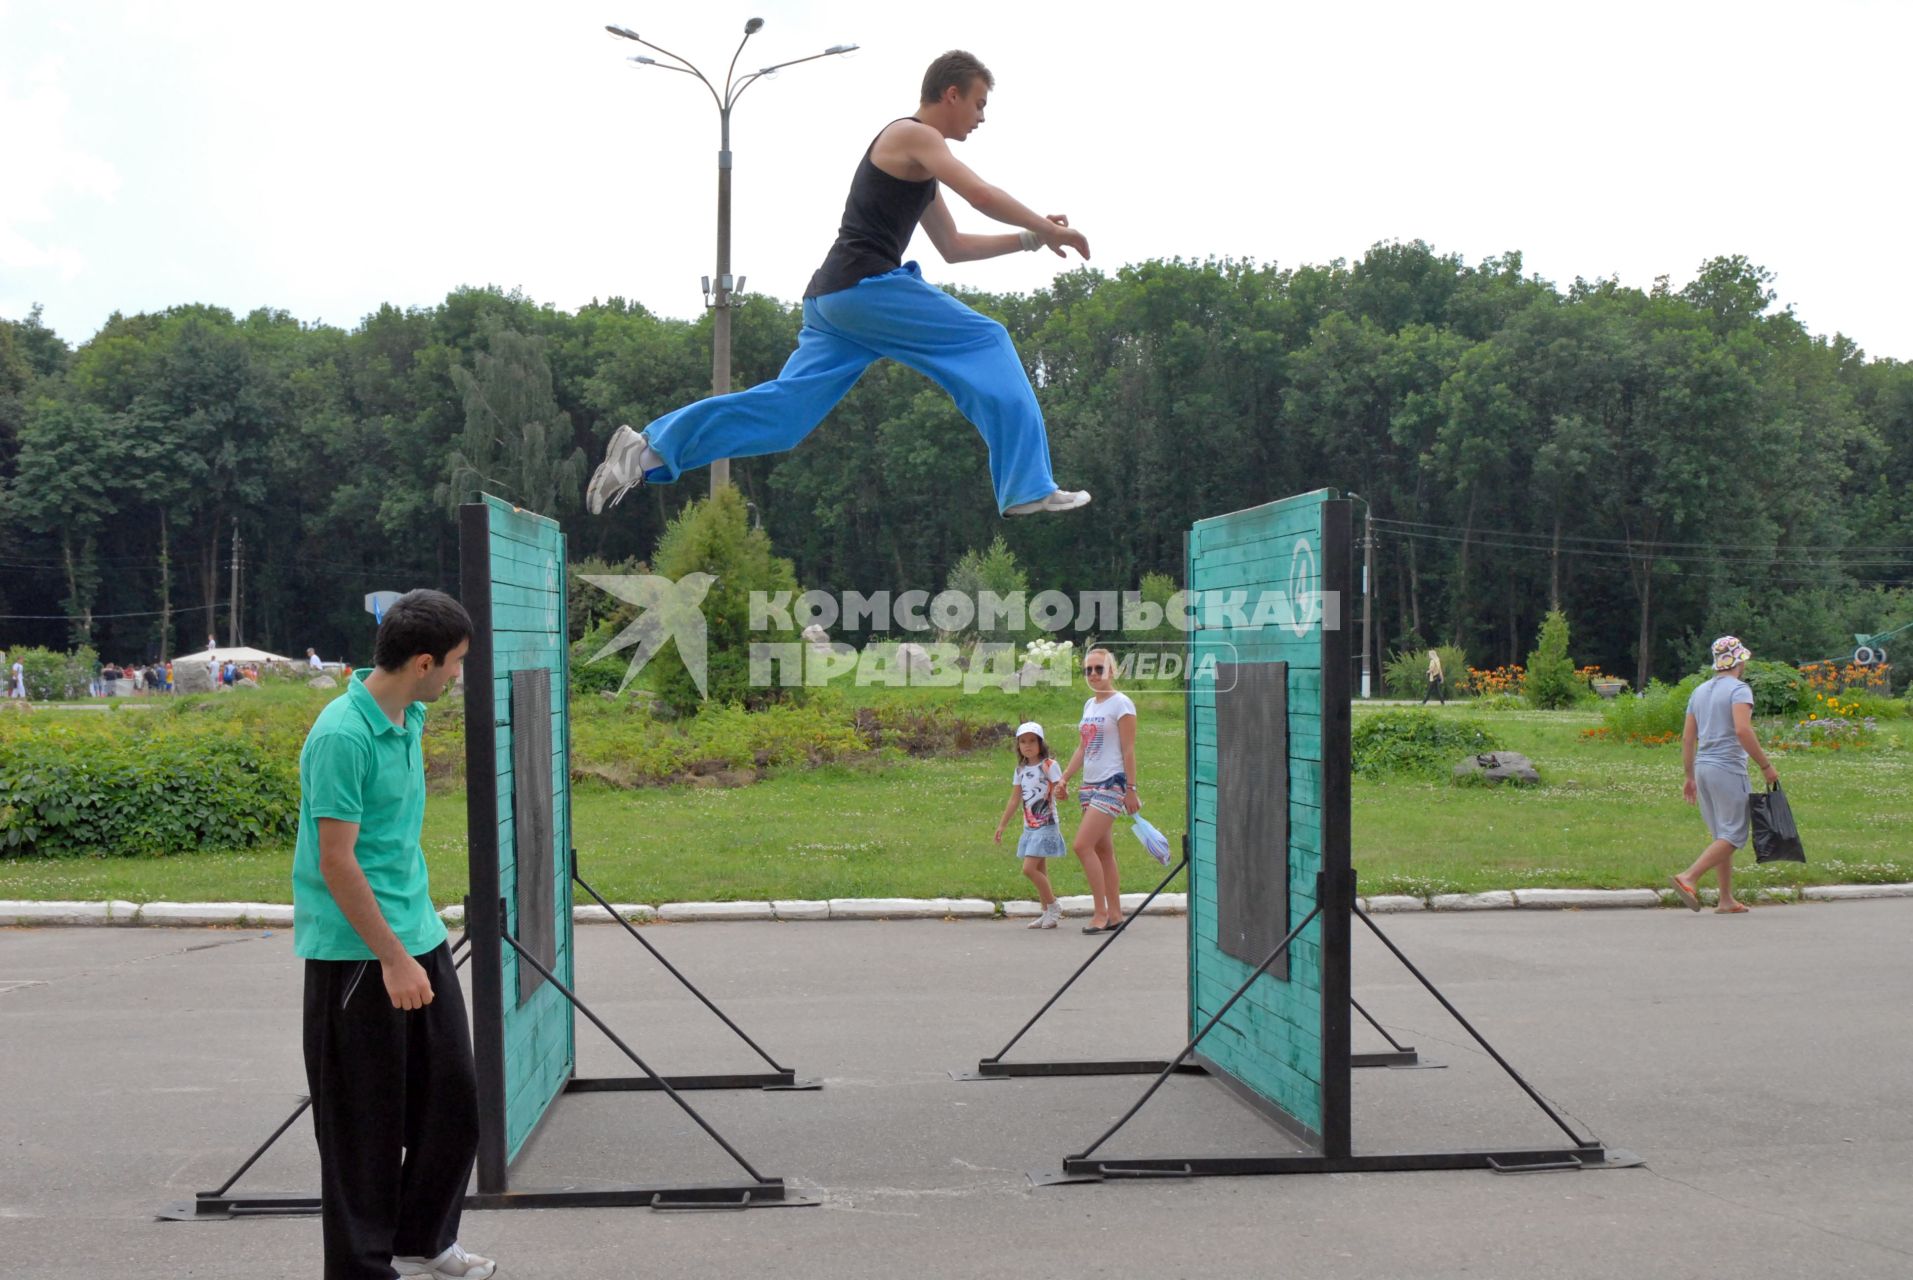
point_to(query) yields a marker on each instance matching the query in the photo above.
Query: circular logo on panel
(1304, 578)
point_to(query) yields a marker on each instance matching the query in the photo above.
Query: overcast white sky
(325, 159)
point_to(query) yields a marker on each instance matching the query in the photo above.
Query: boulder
(1498, 767)
(817, 638)
(914, 659)
(192, 677)
(322, 682)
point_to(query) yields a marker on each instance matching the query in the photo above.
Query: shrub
(1656, 716)
(713, 536)
(53, 676)
(1551, 683)
(1406, 674)
(994, 570)
(606, 674)
(1416, 742)
(147, 788)
(1779, 690)
(1158, 589)
(1872, 706)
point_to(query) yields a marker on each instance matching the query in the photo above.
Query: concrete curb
(279, 916)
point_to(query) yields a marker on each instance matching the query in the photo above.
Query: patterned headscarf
(1729, 653)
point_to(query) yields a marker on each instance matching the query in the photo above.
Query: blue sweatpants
(896, 315)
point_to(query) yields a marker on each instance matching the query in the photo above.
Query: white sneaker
(1061, 500)
(1052, 915)
(453, 1264)
(622, 470)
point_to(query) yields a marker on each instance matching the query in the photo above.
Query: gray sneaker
(453, 1264)
(1051, 917)
(1061, 500)
(621, 471)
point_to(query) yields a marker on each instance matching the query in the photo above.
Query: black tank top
(880, 214)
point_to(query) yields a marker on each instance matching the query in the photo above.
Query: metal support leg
(779, 1078)
(994, 1068)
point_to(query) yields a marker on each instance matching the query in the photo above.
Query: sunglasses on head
(1094, 669)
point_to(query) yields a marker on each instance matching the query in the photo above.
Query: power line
(97, 617)
(1608, 561)
(1491, 539)
(1900, 552)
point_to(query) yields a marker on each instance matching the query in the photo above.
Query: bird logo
(667, 610)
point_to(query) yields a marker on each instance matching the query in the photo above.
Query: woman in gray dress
(1716, 743)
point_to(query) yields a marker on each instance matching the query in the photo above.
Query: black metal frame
(1332, 1150)
(490, 938)
(486, 938)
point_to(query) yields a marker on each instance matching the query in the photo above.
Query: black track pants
(395, 1108)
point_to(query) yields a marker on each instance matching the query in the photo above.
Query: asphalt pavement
(1758, 1064)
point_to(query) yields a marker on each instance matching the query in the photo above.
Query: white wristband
(1029, 240)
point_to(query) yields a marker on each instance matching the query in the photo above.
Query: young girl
(1107, 757)
(1036, 785)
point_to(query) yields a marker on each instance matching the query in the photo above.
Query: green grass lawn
(1606, 816)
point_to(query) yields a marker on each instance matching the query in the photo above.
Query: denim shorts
(1045, 841)
(1105, 796)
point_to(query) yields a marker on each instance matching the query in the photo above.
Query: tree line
(1659, 464)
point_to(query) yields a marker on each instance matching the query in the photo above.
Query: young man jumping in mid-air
(865, 303)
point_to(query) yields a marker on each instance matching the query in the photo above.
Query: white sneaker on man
(1061, 500)
(453, 1264)
(626, 459)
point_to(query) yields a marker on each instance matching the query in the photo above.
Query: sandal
(1687, 894)
(1734, 910)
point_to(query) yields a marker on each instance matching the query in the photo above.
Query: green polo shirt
(357, 766)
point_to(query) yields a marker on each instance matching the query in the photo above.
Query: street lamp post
(1368, 571)
(720, 290)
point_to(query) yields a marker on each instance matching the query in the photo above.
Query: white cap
(1030, 726)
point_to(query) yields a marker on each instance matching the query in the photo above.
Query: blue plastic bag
(1153, 840)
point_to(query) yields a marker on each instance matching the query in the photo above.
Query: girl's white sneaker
(1052, 915)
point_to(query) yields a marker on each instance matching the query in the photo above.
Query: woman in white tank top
(1107, 757)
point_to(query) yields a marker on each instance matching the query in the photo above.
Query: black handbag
(1776, 838)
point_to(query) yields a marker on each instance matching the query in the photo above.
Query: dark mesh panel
(531, 816)
(1252, 810)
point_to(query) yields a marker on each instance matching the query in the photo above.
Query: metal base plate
(1406, 1060)
(1077, 1169)
(987, 1070)
(747, 1195)
(783, 1081)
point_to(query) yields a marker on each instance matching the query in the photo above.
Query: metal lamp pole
(721, 297)
(1368, 572)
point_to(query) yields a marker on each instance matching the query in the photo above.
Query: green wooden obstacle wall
(513, 581)
(1286, 1041)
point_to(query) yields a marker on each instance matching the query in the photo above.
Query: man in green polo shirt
(387, 1046)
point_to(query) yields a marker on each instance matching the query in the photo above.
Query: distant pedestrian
(1036, 786)
(312, 660)
(1716, 742)
(17, 686)
(1437, 687)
